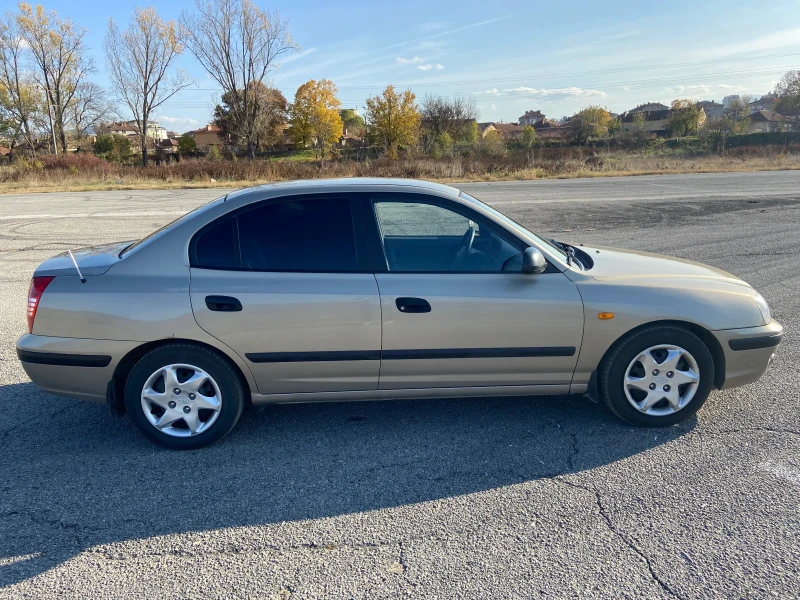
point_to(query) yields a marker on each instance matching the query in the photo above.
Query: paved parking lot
(474, 498)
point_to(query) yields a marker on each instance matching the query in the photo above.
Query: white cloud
(297, 56)
(542, 92)
(425, 67)
(439, 67)
(408, 61)
(180, 123)
(779, 39)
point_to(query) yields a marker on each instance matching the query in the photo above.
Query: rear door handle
(223, 303)
(412, 305)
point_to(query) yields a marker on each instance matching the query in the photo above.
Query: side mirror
(533, 261)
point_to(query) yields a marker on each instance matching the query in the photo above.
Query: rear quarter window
(215, 248)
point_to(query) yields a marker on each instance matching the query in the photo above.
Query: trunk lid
(94, 260)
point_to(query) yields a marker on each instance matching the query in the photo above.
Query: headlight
(763, 307)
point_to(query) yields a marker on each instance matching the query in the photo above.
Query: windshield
(171, 224)
(509, 221)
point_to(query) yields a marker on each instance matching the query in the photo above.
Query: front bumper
(77, 368)
(748, 352)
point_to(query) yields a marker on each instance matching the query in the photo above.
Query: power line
(552, 75)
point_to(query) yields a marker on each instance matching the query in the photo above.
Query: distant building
(649, 107)
(766, 102)
(765, 120)
(726, 101)
(713, 110)
(655, 121)
(207, 136)
(531, 117)
(509, 131)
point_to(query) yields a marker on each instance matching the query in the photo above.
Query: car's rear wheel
(183, 396)
(658, 376)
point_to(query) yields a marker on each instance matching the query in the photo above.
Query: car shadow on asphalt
(73, 477)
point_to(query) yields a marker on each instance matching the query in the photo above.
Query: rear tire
(656, 377)
(183, 396)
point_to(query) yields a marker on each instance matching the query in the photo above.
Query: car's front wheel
(658, 376)
(183, 396)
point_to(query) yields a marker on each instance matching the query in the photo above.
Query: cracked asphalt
(466, 498)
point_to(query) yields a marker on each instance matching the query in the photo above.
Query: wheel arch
(116, 387)
(714, 347)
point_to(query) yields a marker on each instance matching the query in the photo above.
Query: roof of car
(315, 185)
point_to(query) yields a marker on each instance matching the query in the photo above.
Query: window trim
(380, 261)
(363, 262)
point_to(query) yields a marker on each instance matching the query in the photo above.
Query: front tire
(183, 396)
(656, 377)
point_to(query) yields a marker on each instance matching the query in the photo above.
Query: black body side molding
(64, 360)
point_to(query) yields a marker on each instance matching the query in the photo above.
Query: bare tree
(90, 107)
(238, 44)
(139, 61)
(19, 97)
(447, 115)
(59, 54)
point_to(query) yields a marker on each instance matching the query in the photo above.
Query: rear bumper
(748, 352)
(77, 368)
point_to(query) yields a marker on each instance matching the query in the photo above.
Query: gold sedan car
(366, 289)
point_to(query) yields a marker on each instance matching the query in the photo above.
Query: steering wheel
(465, 246)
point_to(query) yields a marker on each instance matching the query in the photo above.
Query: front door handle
(223, 303)
(412, 305)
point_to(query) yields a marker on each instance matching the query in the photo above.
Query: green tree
(266, 126)
(394, 120)
(113, 147)
(685, 118)
(788, 92)
(715, 132)
(187, 144)
(592, 124)
(493, 143)
(351, 121)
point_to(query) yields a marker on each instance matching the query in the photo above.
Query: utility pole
(52, 129)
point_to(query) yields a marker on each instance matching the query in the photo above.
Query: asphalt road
(475, 498)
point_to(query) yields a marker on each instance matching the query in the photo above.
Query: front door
(288, 285)
(457, 311)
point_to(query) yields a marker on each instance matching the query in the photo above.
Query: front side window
(313, 234)
(424, 237)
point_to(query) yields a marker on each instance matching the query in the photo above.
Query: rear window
(313, 234)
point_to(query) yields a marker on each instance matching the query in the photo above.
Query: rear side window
(216, 246)
(314, 234)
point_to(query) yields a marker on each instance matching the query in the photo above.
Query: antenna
(77, 268)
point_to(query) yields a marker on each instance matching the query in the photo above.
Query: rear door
(457, 309)
(288, 285)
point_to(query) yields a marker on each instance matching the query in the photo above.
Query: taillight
(38, 286)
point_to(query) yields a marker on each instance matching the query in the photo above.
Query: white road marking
(787, 472)
(153, 213)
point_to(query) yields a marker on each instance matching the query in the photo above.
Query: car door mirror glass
(533, 261)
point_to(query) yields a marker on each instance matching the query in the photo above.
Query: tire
(682, 401)
(202, 378)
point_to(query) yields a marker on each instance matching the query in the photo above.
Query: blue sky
(510, 55)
